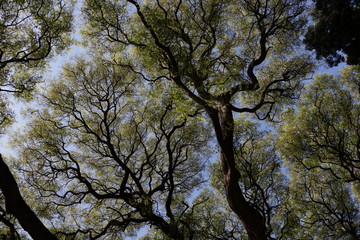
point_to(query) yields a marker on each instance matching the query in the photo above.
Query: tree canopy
(30, 31)
(334, 35)
(320, 142)
(193, 119)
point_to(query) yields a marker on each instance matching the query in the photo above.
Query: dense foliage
(334, 34)
(191, 119)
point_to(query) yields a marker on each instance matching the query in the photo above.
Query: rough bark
(16, 205)
(223, 121)
(253, 221)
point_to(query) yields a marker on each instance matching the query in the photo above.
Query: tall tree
(264, 185)
(124, 137)
(101, 152)
(30, 31)
(321, 144)
(227, 56)
(324, 132)
(334, 33)
(16, 205)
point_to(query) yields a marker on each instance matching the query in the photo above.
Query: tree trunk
(16, 205)
(253, 221)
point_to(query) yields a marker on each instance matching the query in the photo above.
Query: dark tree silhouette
(336, 31)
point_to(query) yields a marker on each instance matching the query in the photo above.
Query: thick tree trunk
(16, 205)
(253, 221)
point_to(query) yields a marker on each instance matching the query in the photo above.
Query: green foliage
(324, 207)
(218, 64)
(105, 151)
(201, 42)
(324, 129)
(29, 32)
(125, 138)
(208, 218)
(320, 142)
(261, 175)
(332, 36)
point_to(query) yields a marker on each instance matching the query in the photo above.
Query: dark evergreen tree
(335, 32)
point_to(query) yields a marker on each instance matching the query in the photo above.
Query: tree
(321, 144)
(333, 34)
(16, 205)
(105, 153)
(264, 185)
(324, 206)
(262, 181)
(201, 48)
(126, 136)
(324, 132)
(29, 32)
